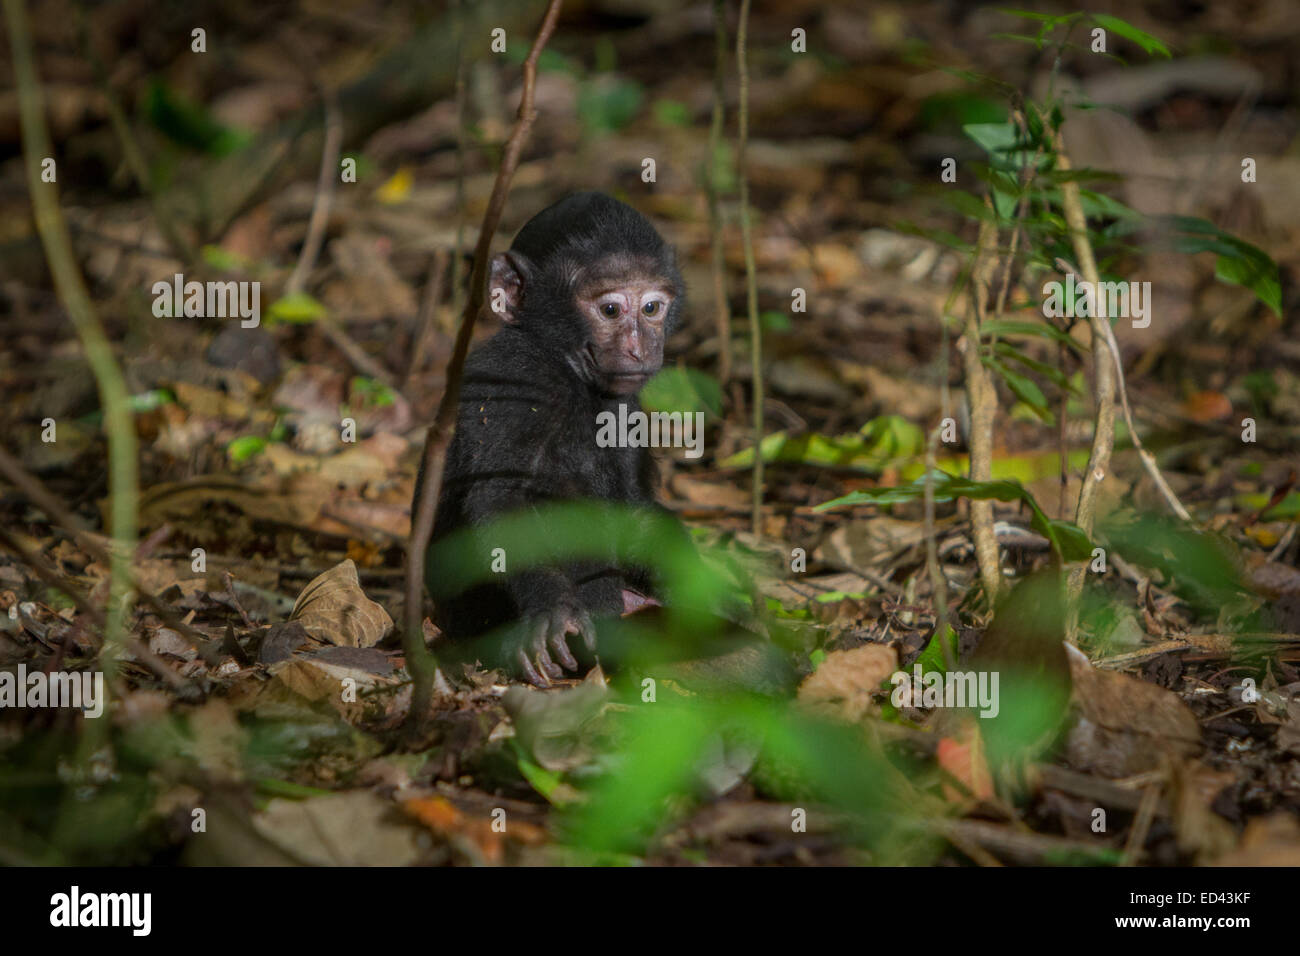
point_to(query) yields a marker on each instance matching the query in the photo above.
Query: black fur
(527, 420)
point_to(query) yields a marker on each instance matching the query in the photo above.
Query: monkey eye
(609, 310)
(651, 307)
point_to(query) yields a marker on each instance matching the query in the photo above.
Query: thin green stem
(751, 277)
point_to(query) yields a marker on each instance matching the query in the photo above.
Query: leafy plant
(1068, 540)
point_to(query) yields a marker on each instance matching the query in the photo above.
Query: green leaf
(189, 124)
(606, 104)
(932, 659)
(677, 389)
(722, 169)
(1023, 387)
(948, 110)
(1034, 15)
(993, 137)
(1249, 273)
(148, 401)
(550, 61)
(298, 309)
(773, 321)
(1143, 39)
(672, 113)
(372, 393)
(880, 443)
(225, 261)
(245, 447)
(1100, 206)
(1012, 329)
(1238, 263)
(546, 782)
(1049, 372)
(1068, 540)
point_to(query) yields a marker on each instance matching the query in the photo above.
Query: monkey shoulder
(511, 403)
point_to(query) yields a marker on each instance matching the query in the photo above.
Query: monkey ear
(510, 272)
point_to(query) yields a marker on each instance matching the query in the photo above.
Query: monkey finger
(546, 665)
(560, 648)
(530, 672)
(538, 638)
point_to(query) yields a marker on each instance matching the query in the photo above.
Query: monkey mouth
(625, 383)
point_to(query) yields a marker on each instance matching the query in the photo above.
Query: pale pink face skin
(626, 318)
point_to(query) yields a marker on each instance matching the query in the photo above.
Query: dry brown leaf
(1207, 406)
(353, 828)
(1200, 831)
(333, 608)
(842, 686)
(1274, 579)
(801, 589)
(1273, 840)
(442, 817)
(712, 494)
(211, 506)
(1126, 726)
(964, 759)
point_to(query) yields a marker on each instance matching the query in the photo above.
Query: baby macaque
(588, 292)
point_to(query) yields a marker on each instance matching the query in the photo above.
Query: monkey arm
(549, 602)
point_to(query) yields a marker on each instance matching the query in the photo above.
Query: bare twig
(424, 323)
(71, 289)
(1285, 542)
(418, 657)
(462, 123)
(405, 78)
(1146, 814)
(354, 353)
(1063, 436)
(1148, 460)
(937, 581)
(52, 578)
(722, 310)
(981, 400)
(234, 599)
(181, 247)
(1103, 437)
(1017, 846)
(320, 209)
(751, 275)
(326, 180)
(1027, 173)
(55, 510)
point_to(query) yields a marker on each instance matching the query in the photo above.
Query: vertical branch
(1063, 434)
(320, 208)
(751, 277)
(418, 658)
(462, 112)
(1103, 384)
(134, 157)
(722, 312)
(68, 283)
(937, 581)
(981, 401)
(424, 321)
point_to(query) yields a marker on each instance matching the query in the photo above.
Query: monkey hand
(542, 648)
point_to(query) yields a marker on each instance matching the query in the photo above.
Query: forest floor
(279, 546)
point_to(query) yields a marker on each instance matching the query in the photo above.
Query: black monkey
(588, 292)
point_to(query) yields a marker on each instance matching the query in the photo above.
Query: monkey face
(592, 283)
(625, 318)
